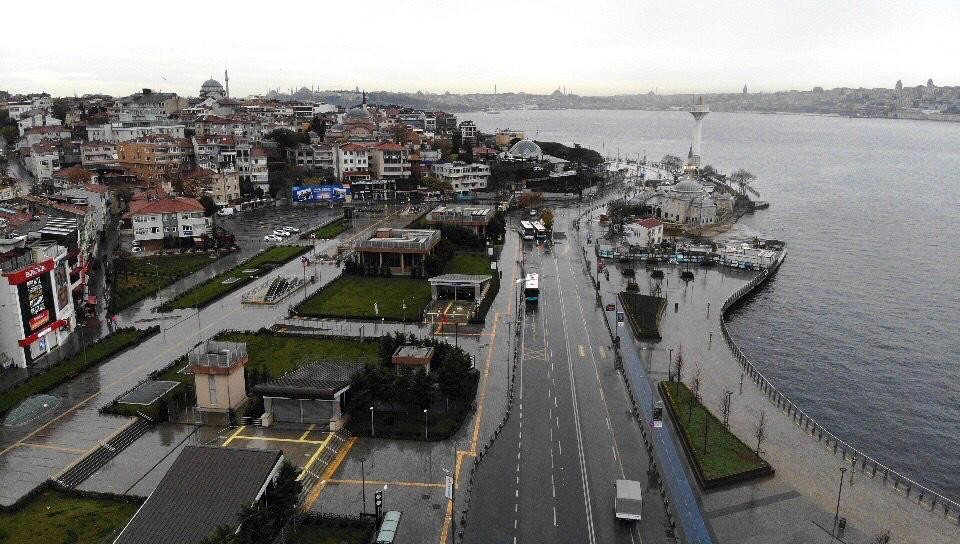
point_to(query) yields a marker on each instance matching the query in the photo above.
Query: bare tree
(725, 403)
(742, 179)
(679, 373)
(760, 430)
(695, 385)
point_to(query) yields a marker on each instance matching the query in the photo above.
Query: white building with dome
(687, 202)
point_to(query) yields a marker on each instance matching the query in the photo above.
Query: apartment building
(155, 159)
(389, 161)
(464, 178)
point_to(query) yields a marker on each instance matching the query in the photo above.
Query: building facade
(464, 178)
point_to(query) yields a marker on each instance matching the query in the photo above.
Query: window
(187, 229)
(212, 385)
(155, 230)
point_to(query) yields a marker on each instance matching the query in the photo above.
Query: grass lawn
(725, 454)
(329, 531)
(468, 264)
(328, 231)
(97, 353)
(278, 355)
(215, 288)
(138, 278)
(54, 517)
(352, 297)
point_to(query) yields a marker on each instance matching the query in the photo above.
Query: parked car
(281, 232)
(136, 249)
(272, 238)
(291, 229)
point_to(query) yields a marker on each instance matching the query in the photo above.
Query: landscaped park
(217, 287)
(137, 278)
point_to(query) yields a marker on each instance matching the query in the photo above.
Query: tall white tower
(698, 111)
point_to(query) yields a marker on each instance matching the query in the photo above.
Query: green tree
(671, 162)
(59, 109)
(9, 133)
(547, 217)
(220, 535)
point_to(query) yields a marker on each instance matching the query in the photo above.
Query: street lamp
(363, 484)
(426, 425)
(836, 515)
(372, 431)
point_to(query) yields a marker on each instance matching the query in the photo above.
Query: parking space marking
(234, 435)
(307, 432)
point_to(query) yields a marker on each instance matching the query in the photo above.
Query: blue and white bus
(531, 288)
(529, 232)
(540, 231)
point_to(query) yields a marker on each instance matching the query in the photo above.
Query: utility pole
(836, 516)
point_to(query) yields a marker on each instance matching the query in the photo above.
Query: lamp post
(373, 432)
(363, 484)
(670, 365)
(836, 515)
(426, 425)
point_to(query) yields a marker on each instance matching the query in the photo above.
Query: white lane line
(612, 447)
(559, 447)
(521, 436)
(554, 516)
(554, 401)
(608, 424)
(514, 523)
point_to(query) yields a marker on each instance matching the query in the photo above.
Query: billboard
(36, 300)
(320, 193)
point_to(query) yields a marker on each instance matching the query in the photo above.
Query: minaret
(698, 111)
(226, 81)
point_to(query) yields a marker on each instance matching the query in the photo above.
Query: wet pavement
(75, 427)
(798, 503)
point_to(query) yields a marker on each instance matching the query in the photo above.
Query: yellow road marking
(307, 432)
(329, 472)
(234, 435)
(269, 439)
(55, 448)
(315, 456)
(386, 482)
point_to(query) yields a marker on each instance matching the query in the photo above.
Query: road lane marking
(582, 352)
(307, 432)
(234, 435)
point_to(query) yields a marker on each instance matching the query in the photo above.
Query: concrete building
(148, 107)
(155, 159)
(167, 221)
(686, 202)
(36, 118)
(37, 309)
(218, 375)
(36, 135)
(464, 178)
(468, 133)
(259, 173)
(389, 161)
(314, 394)
(351, 159)
(413, 357)
(400, 250)
(644, 233)
(504, 137)
(119, 132)
(474, 218)
(97, 153)
(44, 160)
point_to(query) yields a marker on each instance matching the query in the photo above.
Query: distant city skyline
(597, 49)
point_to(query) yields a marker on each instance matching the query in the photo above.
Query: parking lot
(249, 227)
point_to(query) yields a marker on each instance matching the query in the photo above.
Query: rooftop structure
(206, 487)
(401, 240)
(475, 218)
(698, 111)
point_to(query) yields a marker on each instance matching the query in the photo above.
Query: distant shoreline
(939, 118)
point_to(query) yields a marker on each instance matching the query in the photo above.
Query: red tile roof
(67, 172)
(164, 205)
(47, 129)
(353, 147)
(649, 223)
(389, 146)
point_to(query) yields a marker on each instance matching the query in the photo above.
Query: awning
(36, 336)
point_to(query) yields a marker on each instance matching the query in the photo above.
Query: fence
(923, 496)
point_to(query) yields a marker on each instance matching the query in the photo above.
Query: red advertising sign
(29, 272)
(611, 307)
(39, 320)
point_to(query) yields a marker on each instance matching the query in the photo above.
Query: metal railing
(214, 353)
(920, 494)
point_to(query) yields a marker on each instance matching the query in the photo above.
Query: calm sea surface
(861, 326)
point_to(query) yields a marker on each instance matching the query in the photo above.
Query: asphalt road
(550, 475)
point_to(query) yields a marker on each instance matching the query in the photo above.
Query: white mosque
(687, 202)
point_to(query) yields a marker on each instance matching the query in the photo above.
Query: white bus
(540, 231)
(529, 232)
(531, 288)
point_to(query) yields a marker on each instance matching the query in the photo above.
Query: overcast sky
(592, 47)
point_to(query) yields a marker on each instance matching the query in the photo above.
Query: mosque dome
(358, 113)
(687, 186)
(211, 86)
(526, 149)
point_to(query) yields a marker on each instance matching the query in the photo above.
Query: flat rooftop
(401, 239)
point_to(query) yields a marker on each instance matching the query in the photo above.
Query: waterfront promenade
(798, 504)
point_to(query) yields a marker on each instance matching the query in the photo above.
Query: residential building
(37, 309)
(389, 161)
(351, 160)
(464, 178)
(36, 135)
(312, 156)
(97, 153)
(468, 133)
(36, 118)
(217, 153)
(159, 222)
(156, 158)
(474, 218)
(446, 122)
(148, 106)
(206, 487)
(259, 174)
(119, 132)
(644, 233)
(400, 250)
(44, 160)
(504, 137)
